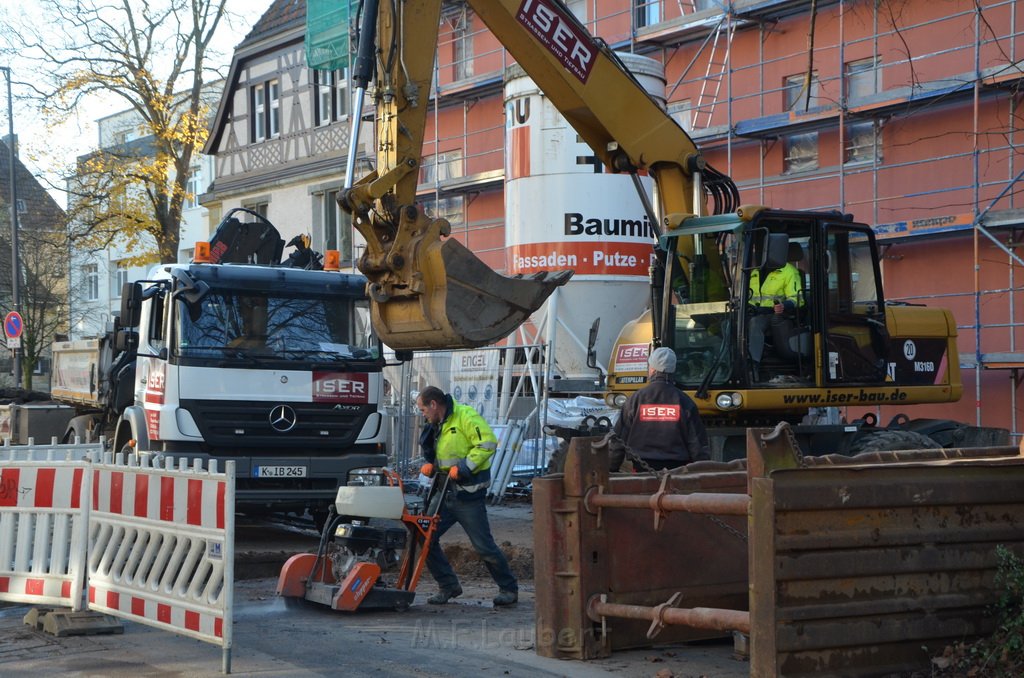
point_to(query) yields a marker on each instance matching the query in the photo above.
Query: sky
(42, 149)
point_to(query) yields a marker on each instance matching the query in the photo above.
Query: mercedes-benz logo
(282, 418)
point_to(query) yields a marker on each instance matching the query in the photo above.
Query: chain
(795, 446)
(727, 527)
(637, 461)
(644, 466)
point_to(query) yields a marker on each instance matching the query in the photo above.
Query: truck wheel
(889, 441)
(80, 427)
(320, 519)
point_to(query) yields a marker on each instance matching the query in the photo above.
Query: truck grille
(249, 424)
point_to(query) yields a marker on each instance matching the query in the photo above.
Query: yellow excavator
(840, 344)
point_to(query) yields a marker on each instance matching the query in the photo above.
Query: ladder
(718, 62)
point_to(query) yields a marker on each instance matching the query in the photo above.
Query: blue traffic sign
(13, 325)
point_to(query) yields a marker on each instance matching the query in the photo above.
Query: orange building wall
(927, 168)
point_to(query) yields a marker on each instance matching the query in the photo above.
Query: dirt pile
(467, 563)
(20, 396)
(512, 527)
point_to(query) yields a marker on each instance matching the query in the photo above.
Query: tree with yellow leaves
(151, 58)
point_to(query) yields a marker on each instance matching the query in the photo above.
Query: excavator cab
(834, 331)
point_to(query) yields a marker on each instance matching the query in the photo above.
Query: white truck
(274, 367)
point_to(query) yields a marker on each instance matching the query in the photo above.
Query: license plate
(279, 472)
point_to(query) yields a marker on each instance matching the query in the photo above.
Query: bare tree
(152, 56)
(44, 292)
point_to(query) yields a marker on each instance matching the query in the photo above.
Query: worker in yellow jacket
(457, 441)
(778, 293)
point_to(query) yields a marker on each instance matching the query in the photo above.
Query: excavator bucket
(455, 301)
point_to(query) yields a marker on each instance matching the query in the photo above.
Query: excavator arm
(427, 290)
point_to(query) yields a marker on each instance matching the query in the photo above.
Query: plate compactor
(358, 565)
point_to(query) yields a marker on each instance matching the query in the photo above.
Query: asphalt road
(468, 637)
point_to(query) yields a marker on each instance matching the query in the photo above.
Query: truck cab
(275, 368)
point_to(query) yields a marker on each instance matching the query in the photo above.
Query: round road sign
(13, 325)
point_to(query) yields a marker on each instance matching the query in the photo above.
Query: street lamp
(15, 264)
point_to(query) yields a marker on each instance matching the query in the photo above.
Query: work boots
(444, 595)
(506, 598)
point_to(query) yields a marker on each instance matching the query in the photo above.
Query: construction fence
(118, 536)
(506, 385)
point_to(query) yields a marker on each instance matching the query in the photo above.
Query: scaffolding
(871, 74)
(937, 81)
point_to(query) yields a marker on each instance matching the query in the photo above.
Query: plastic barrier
(161, 547)
(65, 451)
(43, 526)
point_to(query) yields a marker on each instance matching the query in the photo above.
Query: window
(259, 118)
(324, 84)
(462, 39)
(273, 95)
(441, 167)
(331, 101)
(260, 207)
(863, 142)
(266, 111)
(800, 152)
(157, 322)
(862, 78)
(281, 325)
(118, 279)
(578, 8)
(92, 282)
(647, 12)
(445, 208)
(794, 92)
(193, 189)
(337, 227)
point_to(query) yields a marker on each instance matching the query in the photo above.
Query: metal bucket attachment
(458, 301)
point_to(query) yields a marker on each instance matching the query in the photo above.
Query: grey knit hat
(662, 359)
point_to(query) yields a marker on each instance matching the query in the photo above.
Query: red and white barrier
(75, 451)
(161, 547)
(43, 525)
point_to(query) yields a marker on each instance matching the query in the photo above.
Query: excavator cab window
(856, 336)
(700, 324)
(777, 276)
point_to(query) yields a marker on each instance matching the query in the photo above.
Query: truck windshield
(243, 325)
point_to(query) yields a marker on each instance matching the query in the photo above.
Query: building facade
(281, 136)
(905, 114)
(42, 275)
(97, 275)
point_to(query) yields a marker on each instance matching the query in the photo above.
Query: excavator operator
(773, 300)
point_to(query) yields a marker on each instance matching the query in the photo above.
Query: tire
(889, 441)
(320, 517)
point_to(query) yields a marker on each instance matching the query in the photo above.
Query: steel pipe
(712, 618)
(699, 502)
